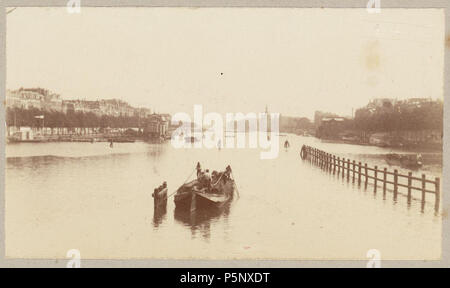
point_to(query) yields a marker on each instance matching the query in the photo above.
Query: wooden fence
(359, 172)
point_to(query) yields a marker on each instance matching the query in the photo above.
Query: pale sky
(294, 60)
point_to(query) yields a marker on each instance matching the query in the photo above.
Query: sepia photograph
(224, 133)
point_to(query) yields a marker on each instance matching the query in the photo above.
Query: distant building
(43, 99)
(24, 99)
(142, 112)
(319, 115)
(331, 127)
(116, 107)
(167, 118)
(382, 103)
(157, 126)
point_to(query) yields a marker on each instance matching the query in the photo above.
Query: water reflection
(159, 213)
(200, 220)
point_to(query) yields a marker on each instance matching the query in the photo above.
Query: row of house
(155, 126)
(28, 98)
(33, 98)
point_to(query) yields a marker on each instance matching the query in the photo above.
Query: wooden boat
(193, 196)
(413, 161)
(201, 218)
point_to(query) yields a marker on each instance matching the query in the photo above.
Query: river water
(97, 199)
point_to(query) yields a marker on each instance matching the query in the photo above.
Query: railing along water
(357, 171)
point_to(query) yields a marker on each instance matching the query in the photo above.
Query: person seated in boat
(200, 176)
(204, 181)
(214, 176)
(207, 180)
(201, 180)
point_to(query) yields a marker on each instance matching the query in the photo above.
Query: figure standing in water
(286, 144)
(219, 144)
(111, 143)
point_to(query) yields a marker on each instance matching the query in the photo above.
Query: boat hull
(405, 161)
(201, 202)
(189, 198)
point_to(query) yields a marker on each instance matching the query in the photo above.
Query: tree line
(426, 116)
(71, 119)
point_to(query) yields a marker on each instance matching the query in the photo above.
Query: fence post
(339, 164)
(328, 162)
(384, 180)
(323, 159)
(365, 171)
(330, 158)
(375, 179)
(359, 173)
(395, 183)
(409, 186)
(334, 164)
(423, 188)
(437, 194)
(348, 170)
(353, 172)
(343, 168)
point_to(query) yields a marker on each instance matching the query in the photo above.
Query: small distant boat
(194, 196)
(410, 161)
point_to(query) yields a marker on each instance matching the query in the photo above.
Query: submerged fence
(380, 178)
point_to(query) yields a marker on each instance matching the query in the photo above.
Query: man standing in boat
(228, 172)
(199, 169)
